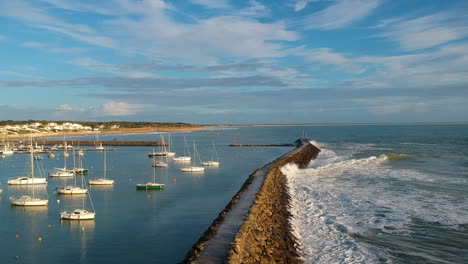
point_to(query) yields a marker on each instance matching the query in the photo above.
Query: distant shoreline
(349, 124)
(110, 132)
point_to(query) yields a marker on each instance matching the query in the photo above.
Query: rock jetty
(264, 234)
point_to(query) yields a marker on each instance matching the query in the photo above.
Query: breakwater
(107, 143)
(254, 227)
(261, 145)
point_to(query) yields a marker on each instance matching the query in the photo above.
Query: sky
(234, 62)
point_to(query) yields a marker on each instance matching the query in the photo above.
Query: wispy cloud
(2, 37)
(135, 84)
(340, 14)
(35, 17)
(223, 4)
(427, 31)
(301, 4)
(120, 109)
(326, 56)
(67, 107)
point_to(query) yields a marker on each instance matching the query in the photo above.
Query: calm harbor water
(157, 226)
(358, 203)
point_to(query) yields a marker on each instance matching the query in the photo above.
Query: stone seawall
(264, 233)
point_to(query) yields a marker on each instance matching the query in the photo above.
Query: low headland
(254, 227)
(47, 129)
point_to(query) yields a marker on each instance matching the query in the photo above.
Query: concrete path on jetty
(217, 248)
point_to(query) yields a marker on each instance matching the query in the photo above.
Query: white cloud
(2, 37)
(69, 108)
(341, 14)
(97, 66)
(327, 56)
(35, 17)
(301, 4)
(221, 4)
(427, 31)
(157, 35)
(120, 109)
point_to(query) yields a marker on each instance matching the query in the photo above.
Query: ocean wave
(394, 156)
(338, 197)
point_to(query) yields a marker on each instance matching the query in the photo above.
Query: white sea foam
(338, 197)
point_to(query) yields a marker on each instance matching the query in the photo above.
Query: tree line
(107, 124)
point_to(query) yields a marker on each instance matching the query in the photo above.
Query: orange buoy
(17, 236)
(174, 180)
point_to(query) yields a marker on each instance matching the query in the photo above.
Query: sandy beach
(110, 131)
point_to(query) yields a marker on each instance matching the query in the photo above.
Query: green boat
(151, 185)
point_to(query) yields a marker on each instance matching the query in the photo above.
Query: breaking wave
(338, 198)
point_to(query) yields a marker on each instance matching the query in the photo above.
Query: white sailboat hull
(28, 201)
(78, 214)
(193, 169)
(182, 159)
(7, 152)
(160, 164)
(27, 181)
(71, 190)
(61, 174)
(211, 163)
(101, 182)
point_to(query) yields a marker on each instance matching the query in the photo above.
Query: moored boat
(27, 181)
(27, 200)
(77, 214)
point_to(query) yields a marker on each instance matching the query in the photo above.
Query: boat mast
(105, 163)
(32, 167)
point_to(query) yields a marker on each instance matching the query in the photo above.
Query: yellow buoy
(149, 196)
(39, 238)
(49, 226)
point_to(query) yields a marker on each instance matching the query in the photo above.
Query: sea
(375, 194)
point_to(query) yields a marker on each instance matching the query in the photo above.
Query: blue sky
(231, 62)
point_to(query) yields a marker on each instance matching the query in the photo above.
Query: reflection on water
(86, 226)
(83, 231)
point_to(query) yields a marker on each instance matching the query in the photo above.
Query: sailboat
(151, 185)
(214, 158)
(30, 200)
(78, 169)
(65, 153)
(25, 180)
(99, 146)
(159, 163)
(73, 189)
(79, 214)
(62, 172)
(164, 152)
(183, 158)
(194, 168)
(169, 153)
(6, 147)
(102, 181)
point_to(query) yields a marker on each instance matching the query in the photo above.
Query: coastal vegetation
(42, 128)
